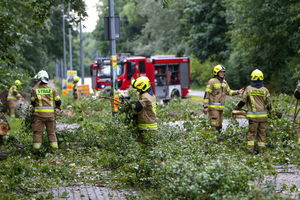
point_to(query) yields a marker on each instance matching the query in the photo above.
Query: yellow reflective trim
(37, 145)
(250, 143)
(217, 85)
(205, 100)
(257, 92)
(12, 98)
(152, 126)
(261, 144)
(51, 100)
(40, 103)
(44, 91)
(215, 106)
(43, 110)
(54, 144)
(254, 116)
(57, 98)
(299, 140)
(208, 90)
(32, 99)
(154, 107)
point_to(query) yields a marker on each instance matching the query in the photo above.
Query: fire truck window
(142, 66)
(130, 70)
(161, 75)
(174, 73)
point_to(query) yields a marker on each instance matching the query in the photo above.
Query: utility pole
(113, 68)
(81, 54)
(70, 38)
(64, 42)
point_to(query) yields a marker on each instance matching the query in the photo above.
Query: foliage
(201, 72)
(181, 162)
(206, 29)
(26, 26)
(8, 75)
(265, 35)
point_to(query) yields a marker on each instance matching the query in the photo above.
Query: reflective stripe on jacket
(257, 114)
(152, 126)
(216, 105)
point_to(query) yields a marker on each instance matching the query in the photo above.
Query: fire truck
(168, 75)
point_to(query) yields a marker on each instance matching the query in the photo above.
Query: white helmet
(43, 76)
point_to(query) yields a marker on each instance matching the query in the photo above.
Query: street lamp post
(113, 68)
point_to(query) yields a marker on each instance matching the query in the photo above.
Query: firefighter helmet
(43, 76)
(257, 75)
(141, 83)
(217, 69)
(18, 83)
(75, 79)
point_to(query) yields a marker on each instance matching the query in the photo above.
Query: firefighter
(75, 89)
(145, 109)
(44, 99)
(297, 95)
(214, 97)
(257, 99)
(12, 98)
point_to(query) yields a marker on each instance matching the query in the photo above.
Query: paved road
(196, 93)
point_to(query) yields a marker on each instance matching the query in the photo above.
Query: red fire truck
(169, 75)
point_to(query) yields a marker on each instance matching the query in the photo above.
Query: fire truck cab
(169, 75)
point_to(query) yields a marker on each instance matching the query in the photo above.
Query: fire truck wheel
(175, 94)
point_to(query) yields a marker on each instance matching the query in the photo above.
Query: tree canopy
(242, 35)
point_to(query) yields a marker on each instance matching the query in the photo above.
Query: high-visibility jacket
(43, 97)
(13, 93)
(215, 94)
(147, 115)
(257, 101)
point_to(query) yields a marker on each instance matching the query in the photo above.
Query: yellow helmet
(257, 75)
(18, 83)
(141, 83)
(76, 79)
(217, 69)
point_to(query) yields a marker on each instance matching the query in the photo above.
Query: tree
(265, 35)
(206, 29)
(24, 29)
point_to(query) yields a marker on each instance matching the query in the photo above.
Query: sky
(91, 21)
